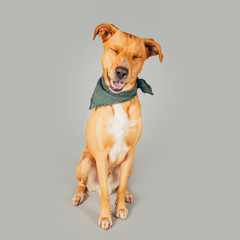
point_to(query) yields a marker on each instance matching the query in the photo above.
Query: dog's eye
(136, 57)
(116, 51)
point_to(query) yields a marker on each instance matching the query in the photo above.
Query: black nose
(121, 72)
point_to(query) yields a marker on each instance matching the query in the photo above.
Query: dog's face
(123, 56)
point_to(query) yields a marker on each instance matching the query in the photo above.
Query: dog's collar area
(103, 96)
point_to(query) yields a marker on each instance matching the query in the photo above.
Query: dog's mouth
(116, 85)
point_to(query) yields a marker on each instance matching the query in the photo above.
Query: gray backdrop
(186, 176)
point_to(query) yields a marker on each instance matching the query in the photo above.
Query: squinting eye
(135, 57)
(116, 51)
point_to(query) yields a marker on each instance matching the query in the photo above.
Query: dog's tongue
(117, 84)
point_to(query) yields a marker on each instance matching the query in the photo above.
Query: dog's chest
(118, 126)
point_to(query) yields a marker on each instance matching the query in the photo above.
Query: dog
(113, 130)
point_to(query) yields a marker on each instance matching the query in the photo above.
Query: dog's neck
(103, 96)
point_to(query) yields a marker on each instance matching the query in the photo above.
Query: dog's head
(123, 56)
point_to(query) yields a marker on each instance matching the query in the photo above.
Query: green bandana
(103, 96)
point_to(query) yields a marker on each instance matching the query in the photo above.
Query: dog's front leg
(105, 221)
(125, 171)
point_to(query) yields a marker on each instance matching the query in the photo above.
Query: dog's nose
(121, 72)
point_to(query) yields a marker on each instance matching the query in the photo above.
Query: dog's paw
(78, 198)
(105, 223)
(128, 197)
(121, 213)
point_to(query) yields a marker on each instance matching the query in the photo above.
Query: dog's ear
(153, 48)
(105, 31)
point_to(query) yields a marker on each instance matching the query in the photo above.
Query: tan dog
(113, 131)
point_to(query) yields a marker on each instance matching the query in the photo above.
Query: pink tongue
(117, 84)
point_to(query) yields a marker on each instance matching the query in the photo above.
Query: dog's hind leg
(128, 197)
(82, 170)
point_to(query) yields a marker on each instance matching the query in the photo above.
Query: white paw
(128, 197)
(105, 223)
(78, 198)
(121, 213)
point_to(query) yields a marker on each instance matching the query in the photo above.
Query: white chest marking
(118, 126)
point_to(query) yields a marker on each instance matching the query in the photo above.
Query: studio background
(185, 180)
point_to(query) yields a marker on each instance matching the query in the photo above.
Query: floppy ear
(105, 31)
(153, 48)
